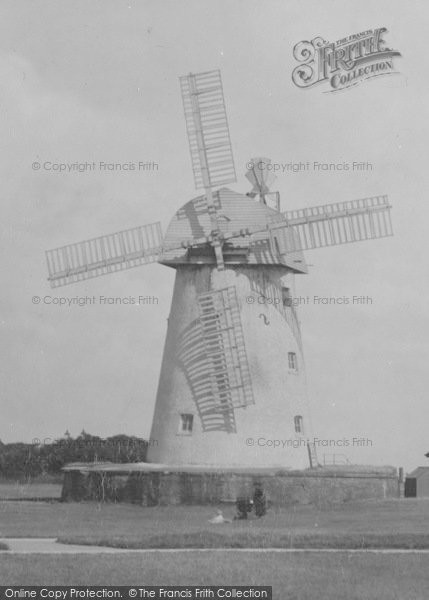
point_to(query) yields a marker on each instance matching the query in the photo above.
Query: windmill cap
(235, 212)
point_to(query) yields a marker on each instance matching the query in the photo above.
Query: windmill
(232, 388)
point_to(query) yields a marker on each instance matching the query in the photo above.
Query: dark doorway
(410, 490)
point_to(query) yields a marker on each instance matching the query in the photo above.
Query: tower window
(286, 297)
(186, 423)
(276, 246)
(299, 425)
(292, 361)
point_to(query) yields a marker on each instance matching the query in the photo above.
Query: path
(50, 546)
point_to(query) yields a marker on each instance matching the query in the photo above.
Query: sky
(98, 82)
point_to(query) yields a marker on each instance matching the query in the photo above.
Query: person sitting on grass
(244, 505)
(259, 501)
(219, 518)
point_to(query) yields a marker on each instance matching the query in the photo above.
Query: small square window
(186, 423)
(292, 361)
(299, 425)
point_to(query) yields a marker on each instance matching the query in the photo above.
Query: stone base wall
(317, 487)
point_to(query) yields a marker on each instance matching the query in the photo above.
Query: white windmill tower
(232, 378)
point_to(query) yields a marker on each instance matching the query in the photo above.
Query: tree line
(45, 457)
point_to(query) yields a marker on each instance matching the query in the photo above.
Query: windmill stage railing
(335, 460)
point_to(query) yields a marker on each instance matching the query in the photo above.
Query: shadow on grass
(243, 539)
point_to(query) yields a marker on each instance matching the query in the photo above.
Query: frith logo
(344, 63)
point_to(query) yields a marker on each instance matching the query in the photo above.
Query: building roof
(419, 472)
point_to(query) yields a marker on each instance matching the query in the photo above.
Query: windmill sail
(198, 372)
(105, 254)
(224, 344)
(207, 127)
(332, 224)
(214, 358)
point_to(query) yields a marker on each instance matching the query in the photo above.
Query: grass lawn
(18, 490)
(293, 576)
(391, 523)
(305, 577)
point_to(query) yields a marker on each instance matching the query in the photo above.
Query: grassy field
(391, 523)
(306, 576)
(27, 490)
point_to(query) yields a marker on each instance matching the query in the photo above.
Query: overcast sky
(98, 81)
